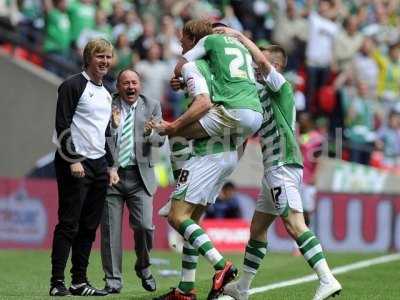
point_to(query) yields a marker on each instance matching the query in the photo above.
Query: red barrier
(228, 234)
(343, 222)
(28, 214)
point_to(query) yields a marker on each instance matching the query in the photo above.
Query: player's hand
(148, 126)
(113, 177)
(165, 128)
(77, 170)
(115, 117)
(176, 83)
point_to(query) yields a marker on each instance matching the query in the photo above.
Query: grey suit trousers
(129, 190)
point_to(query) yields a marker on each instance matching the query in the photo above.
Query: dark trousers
(81, 202)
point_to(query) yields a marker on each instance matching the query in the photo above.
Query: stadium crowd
(344, 56)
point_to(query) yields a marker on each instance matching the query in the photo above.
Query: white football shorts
(202, 177)
(220, 121)
(281, 188)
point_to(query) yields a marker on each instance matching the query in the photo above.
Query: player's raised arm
(258, 56)
(197, 52)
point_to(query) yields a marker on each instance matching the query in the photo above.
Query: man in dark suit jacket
(132, 181)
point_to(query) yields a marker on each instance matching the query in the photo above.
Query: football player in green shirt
(236, 107)
(281, 184)
(199, 182)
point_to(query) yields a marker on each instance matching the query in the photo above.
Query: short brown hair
(96, 46)
(276, 49)
(197, 29)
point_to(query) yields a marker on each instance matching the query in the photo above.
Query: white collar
(86, 75)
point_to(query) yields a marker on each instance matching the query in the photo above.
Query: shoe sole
(334, 294)
(232, 294)
(214, 294)
(337, 293)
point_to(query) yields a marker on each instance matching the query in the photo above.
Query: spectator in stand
(57, 37)
(230, 19)
(359, 124)
(169, 38)
(101, 30)
(148, 38)
(118, 14)
(389, 74)
(348, 41)
(82, 15)
(124, 58)
(132, 27)
(328, 48)
(291, 32)
(32, 20)
(227, 205)
(152, 8)
(319, 51)
(388, 140)
(382, 20)
(10, 15)
(154, 73)
(365, 68)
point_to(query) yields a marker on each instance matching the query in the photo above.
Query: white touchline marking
(338, 270)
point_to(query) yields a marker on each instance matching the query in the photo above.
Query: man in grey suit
(132, 181)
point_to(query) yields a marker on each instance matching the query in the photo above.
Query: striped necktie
(126, 144)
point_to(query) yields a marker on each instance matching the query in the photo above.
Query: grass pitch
(25, 275)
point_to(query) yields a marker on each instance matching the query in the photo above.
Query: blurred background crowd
(344, 56)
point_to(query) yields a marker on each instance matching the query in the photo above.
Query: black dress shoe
(149, 283)
(112, 290)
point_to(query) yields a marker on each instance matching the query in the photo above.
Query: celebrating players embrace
(217, 71)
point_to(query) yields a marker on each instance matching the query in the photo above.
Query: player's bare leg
(191, 132)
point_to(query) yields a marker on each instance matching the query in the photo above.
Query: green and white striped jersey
(278, 141)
